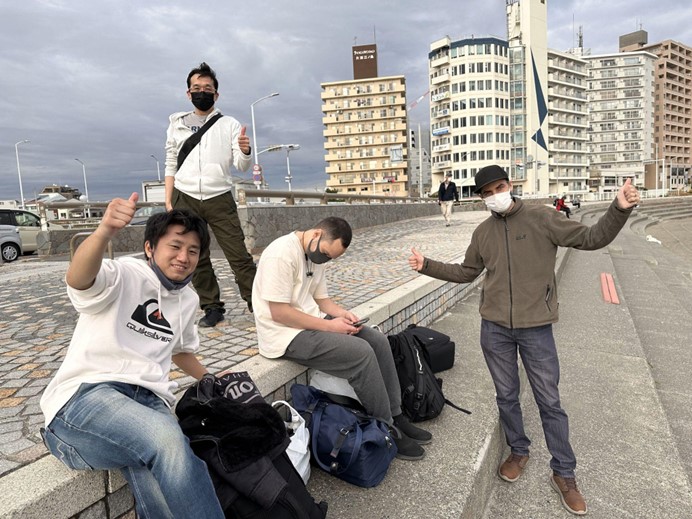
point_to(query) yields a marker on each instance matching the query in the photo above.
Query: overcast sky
(97, 80)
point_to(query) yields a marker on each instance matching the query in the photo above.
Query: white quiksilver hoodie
(129, 327)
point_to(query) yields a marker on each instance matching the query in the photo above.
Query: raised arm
(87, 260)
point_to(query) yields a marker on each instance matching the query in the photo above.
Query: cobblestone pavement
(37, 319)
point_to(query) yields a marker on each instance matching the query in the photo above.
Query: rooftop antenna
(374, 35)
(581, 36)
(355, 41)
(573, 30)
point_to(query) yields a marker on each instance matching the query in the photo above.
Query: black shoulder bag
(194, 139)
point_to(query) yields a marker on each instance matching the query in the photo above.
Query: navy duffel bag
(344, 441)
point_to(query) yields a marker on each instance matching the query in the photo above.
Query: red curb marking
(608, 290)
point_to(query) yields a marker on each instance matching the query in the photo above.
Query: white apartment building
(469, 108)
(527, 37)
(365, 130)
(568, 122)
(621, 93)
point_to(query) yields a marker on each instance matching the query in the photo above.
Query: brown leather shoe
(513, 467)
(570, 496)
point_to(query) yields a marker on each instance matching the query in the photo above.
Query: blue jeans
(112, 425)
(539, 356)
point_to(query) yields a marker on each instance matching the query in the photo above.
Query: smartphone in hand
(360, 323)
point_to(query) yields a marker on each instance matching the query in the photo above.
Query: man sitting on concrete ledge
(108, 406)
(290, 299)
(518, 245)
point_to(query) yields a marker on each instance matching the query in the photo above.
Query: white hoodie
(129, 327)
(206, 172)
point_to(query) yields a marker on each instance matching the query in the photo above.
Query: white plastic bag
(331, 384)
(299, 449)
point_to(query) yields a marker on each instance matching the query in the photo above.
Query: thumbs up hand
(118, 214)
(628, 195)
(416, 259)
(244, 141)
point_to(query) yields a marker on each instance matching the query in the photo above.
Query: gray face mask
(168, 283)
(316, 256)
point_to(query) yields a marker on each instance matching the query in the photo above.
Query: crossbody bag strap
(194, 139)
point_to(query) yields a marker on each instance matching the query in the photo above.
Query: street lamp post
(289, 149)
(19, 171)
(86, 187)
(257, 169)
(158, 168)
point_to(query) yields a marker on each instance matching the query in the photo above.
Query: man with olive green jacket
(517, 245)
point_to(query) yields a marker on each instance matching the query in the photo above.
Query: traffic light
(412, 138)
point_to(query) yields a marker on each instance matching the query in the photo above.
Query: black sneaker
(406, 448)
(212, 316)
(420, 436)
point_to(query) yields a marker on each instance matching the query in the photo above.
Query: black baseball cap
(487, 175)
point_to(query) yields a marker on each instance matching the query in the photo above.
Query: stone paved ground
(37, 319)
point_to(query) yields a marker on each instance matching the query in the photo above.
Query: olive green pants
(221, 215)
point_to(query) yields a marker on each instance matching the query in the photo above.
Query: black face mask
(317, 256)
(203, 101)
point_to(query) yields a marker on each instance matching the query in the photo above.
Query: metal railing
(85, 234)
(290, 197)
(78, 223)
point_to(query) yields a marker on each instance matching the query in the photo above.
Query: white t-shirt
(282, 277)
(129, 327)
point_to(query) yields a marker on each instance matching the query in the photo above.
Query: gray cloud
(97, 80)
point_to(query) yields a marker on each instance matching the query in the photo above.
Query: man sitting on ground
(290, 300)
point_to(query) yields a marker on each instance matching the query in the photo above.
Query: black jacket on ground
(244, 448)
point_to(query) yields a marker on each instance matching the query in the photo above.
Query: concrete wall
(263, 224)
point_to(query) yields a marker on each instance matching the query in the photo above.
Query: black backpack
(421, 393)
(437, 347)
(244, 447)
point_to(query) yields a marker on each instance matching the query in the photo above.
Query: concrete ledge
(46, 488)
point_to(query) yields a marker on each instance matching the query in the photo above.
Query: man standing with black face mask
(202, 182)
(290, 298)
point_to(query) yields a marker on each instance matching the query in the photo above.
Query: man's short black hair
(336, 228)
(158, 224)
(203, 70)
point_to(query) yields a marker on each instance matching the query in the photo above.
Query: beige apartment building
(365, 130)
(672, 109)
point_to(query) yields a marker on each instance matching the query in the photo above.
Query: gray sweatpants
(364, 359)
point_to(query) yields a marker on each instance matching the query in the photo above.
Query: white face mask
(499, 203)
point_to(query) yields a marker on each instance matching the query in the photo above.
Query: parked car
(143, 213)
(29, 225)
(10, 242)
